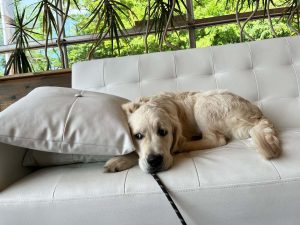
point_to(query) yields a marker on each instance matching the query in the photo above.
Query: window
(212, 23)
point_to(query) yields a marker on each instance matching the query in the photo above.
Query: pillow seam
(67, 119)
(76, 143)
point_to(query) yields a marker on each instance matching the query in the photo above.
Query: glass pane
(8, 8)
(1, 34)
(2, 64)
(210, 8)
(134, 46)
(79, 17)
(31, 12)
(230, 33)
(78, 53)
(38, 60)
(260, 29)
(217, 35)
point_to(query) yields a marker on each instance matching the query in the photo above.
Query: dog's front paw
(120, 163)
(221, 140)
(116, 164)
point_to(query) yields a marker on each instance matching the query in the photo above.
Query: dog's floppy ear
(178, 139)
(131, 107)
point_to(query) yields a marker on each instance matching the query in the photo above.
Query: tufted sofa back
(266, 72)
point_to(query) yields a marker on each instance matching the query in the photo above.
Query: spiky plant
(110, 17)
(18, 61)
(160, 16)
(65, 15)
(47, 11)
(291, 14)
(107, 16)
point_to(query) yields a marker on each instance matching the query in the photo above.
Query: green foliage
(2, 56)
(107, 15)
(160, 15)
(18, 61)
(131, 46)
(45, 12)
(125, 13)
(2, 64)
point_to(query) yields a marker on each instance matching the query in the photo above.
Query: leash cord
(163, 188)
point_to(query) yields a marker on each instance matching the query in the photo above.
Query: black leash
(163, 188)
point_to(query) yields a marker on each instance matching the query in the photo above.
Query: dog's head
(156, 134)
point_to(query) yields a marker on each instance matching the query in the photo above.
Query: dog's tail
(265, 138)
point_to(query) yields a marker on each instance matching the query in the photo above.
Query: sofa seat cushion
(236, 163)
(236, 170)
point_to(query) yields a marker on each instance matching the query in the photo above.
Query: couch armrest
(11, 168)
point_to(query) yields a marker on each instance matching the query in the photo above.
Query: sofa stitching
(55, 187)
(291, 129)
(125, 180)
(213, 66)
(104, 83)
(276, 98)
(292, 64)
(139, 74)
(175, 71)
(228, 187)
(254, 73)
(199, 184)
(52, 141)
(276, 169)
(30, 138)
(271, 162)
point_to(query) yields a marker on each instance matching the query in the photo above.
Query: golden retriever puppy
(165, 124)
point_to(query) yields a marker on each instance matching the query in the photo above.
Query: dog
(165, 124)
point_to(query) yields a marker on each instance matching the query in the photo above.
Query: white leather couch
(230, 185)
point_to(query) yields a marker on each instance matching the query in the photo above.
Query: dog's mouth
(154, 163)
(154, 170)
(151, 169)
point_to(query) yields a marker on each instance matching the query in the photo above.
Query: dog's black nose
(155, 160)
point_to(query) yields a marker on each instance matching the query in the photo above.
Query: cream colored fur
(217, 115)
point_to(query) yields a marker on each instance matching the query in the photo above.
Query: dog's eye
(162, 132)
(139, 136)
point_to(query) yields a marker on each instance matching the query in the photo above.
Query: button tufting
(78, 95)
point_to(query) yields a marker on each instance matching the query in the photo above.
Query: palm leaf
(160, 16)
(47, 11)
(108, 17)
(21, 36)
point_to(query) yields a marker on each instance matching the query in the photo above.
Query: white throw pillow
(65, 120)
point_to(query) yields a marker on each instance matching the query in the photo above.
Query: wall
(14, 87)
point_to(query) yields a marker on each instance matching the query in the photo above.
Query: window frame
(190, 24)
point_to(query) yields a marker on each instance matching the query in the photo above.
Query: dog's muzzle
(155, 162)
